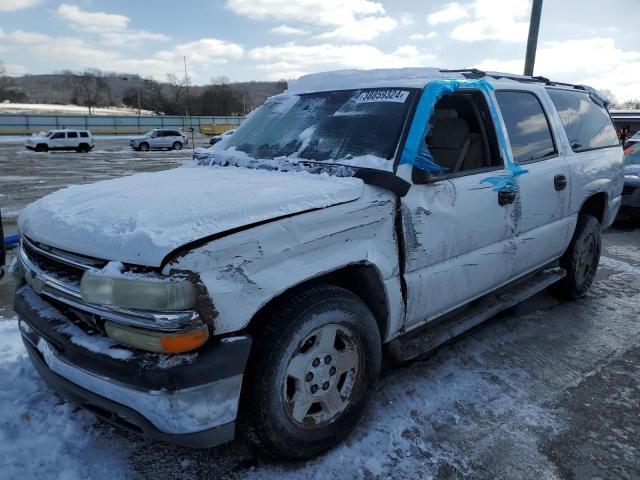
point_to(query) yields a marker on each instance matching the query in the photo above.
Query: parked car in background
(633, 140)
(79, 140)
(160, 138)
(216, 138)
(631, 191)
(254, 289)
(3, 254)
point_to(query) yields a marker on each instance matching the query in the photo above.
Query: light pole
(532, 41)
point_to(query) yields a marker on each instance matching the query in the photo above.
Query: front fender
(242, 272)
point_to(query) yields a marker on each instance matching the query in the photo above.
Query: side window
(84, 134)
(72, 134)
(527, 126)
(57, 135)
(461, 137)
(587, 124)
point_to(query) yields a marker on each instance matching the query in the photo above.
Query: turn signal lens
(153, 341)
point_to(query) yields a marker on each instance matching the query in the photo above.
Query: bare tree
(633, 104)
(91, 89)
(8, 89)
(177, 101)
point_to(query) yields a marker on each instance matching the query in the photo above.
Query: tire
(83, 148)
(42, 148)
(144, 147)
(580, 260)
(177, 146)
(305, 393)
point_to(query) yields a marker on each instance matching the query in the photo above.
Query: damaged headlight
(143, 294)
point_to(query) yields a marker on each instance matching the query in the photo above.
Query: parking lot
(547, 390)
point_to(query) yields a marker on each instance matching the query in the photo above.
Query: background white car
(159, 138)
(79, 140)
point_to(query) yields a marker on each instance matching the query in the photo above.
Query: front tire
(144, 147)
(580, 260)
(42, 148)
(315, 358)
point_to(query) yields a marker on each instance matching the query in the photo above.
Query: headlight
(161, 342)
(142, 294)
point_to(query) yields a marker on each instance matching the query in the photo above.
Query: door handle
(559, 182)
(506, 196)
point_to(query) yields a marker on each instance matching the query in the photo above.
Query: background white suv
(79, 140)
(160, 138)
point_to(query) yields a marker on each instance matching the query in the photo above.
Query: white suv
(160, 138)
(78, 140)
(357, 213)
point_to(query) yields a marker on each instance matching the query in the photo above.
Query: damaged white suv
(257, 286)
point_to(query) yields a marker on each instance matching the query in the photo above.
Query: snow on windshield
(359, 128)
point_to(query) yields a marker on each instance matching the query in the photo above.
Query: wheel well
(360, 279)
(595, 205)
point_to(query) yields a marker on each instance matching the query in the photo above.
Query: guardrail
(20, 124)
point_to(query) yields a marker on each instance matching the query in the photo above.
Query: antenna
(186, 79)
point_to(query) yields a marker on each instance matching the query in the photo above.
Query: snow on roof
(383, 78)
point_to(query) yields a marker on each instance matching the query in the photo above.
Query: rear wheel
(580, 259)
(83, 148)
(177, 146)
(144, 147)
(42, 147)
(314, 361)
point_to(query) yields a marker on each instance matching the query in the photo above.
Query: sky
(581, 41)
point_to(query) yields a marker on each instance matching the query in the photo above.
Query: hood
(142, 218)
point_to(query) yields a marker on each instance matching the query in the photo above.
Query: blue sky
(580, 40)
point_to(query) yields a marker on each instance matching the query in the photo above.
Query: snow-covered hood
(142, 218)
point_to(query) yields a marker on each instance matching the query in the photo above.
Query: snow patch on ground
(40, 435)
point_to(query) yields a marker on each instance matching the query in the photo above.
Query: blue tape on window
(422, 159)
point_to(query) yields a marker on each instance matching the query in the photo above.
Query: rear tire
(83, 148)
(42, 148)
(144, 147)
(177, 146)
(580, 260)
(315, 358)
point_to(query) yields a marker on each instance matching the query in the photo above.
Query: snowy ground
(52, 108)
(551, 390)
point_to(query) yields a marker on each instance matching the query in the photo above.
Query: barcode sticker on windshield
(386, 95)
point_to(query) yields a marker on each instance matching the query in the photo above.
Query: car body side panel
(244, 271)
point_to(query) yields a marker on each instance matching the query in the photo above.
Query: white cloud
(75, 52)
(291, 60)
(112, 28)
(406, 19)
(13, 5)
(92, 21)
(450, 13)
(418, 37)
(365, 29)
(597, 62)
(495, 20)
(287, 30)
(354, 20)
(14, 69)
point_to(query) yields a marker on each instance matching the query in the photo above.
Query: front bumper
(190, 400)
(631, 193)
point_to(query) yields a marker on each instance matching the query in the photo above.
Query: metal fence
(17, 124)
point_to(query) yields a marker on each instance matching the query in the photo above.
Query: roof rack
(474, 73)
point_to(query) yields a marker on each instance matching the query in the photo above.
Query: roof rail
(466, 72)
(473, 73)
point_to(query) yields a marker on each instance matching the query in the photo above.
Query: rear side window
(527, 126)
(84, 134)
(587, 124)
(72, 134)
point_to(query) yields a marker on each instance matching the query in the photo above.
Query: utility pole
(532, 41)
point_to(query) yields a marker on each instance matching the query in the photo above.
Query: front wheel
(580, 260)
(314, 360)
(144, 147)
(42, 148)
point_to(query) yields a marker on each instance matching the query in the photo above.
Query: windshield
(349, 127)
(632, 155)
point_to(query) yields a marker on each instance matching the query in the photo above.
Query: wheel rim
(144, 147)
(320, 376)
(177, 146)
(586, 261)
